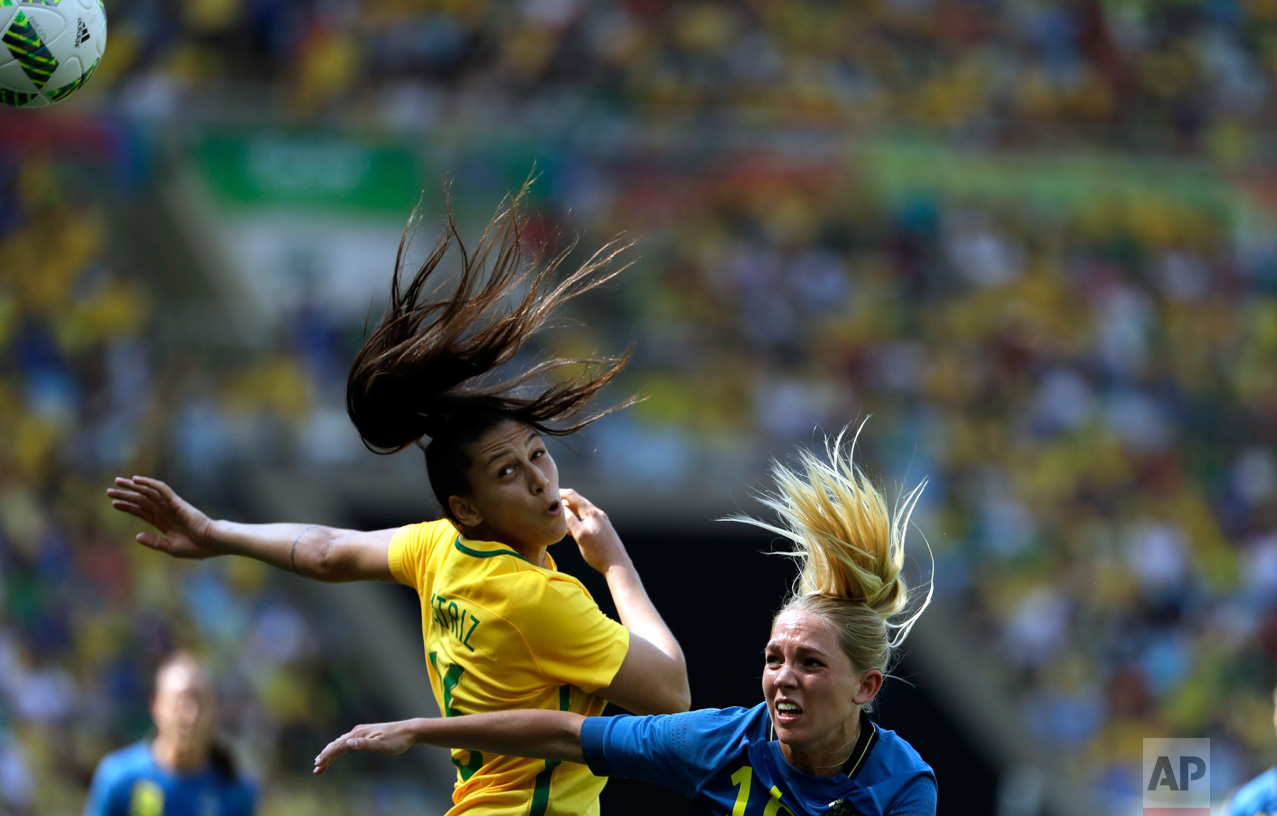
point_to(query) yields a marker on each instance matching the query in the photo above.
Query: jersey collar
(491, 549)
(864, 745)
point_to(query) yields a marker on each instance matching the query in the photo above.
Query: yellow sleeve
(571, 641)
(410, 550)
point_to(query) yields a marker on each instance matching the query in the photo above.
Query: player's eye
(505, 471)
(538, 453)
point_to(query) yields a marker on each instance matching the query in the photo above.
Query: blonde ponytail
(849, 548)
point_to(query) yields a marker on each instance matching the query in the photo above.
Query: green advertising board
(1064, 179)
(308, 170)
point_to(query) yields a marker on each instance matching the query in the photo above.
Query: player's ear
(870, 685)
(466, 514)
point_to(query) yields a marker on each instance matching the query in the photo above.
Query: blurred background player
(502, 627)
(184, 769)
(810, 747)
(1258, 797)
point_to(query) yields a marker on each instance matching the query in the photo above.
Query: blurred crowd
(1089, 390)
(1169, 75)
(1087, 382)
(85, 614)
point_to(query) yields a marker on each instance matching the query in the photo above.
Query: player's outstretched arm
(653, 677)
(311, 550)
(528, 733)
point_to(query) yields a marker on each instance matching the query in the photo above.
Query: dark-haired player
(503, 628)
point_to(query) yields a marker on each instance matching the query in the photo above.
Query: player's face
(184, 708)
(514, 489)
(813, 693)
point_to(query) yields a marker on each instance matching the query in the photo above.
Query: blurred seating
(1088, 382)
(1143, 75)
(85, 616)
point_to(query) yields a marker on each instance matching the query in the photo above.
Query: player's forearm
(526, 733)
(304, 549)
(639, 615)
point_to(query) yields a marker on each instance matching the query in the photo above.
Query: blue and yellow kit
(725, 762)
(1258, 797)
(129, 782)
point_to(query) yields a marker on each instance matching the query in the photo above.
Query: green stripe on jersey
(485, 553)
(541, 790)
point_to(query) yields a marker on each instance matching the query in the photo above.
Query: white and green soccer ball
(48, 49)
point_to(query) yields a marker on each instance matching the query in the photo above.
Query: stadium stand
(1034, 241)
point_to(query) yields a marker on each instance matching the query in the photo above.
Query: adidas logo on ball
(81, 31)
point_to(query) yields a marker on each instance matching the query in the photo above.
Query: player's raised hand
(600, 546)
(381, 738)
(183, 529)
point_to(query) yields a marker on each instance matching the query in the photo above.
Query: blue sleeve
(917, 798)
(245, 800)
(1238, 806)
(104, 793)
(675, 751)
(1249, 801)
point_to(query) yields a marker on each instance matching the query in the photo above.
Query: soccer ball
(48, 49)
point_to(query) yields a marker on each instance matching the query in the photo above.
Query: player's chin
(788, 732)
(553, 530)
(558, 526)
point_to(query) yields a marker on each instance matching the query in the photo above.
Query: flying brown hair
(424, 367)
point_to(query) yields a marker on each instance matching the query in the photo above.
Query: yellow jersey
(502, 633)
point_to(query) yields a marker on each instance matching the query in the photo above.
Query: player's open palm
(381, 738)
(183, 529)
(600, 546)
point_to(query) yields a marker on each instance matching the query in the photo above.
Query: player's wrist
(619, 567)
(419, 730)
(209, 536)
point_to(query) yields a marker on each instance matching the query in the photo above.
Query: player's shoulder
(243, 790)
(1259, 795)
(755, 716)
(129, 761)
(894, 755)
(727, 725)
(505, 583)
(511, 574)
(426, 533)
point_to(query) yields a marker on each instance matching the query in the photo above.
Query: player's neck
(535, 555)
(172, 756)
(827, 761)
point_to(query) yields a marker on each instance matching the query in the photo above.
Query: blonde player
(503, 628)
(809, 748)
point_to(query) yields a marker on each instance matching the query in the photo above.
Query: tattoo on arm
(292, 555)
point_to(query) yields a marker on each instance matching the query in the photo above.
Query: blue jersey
(128, 782)
(725, 762)
(1258, 797)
